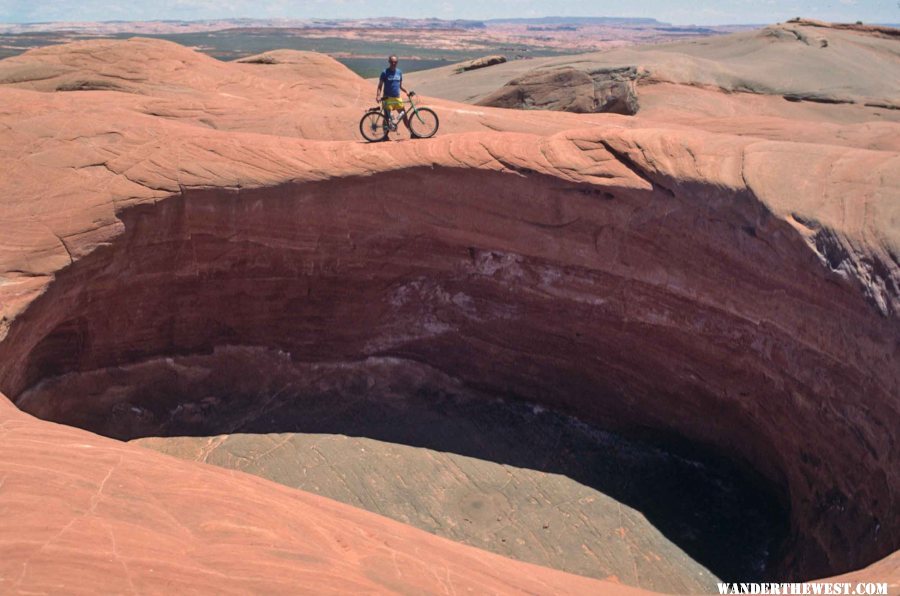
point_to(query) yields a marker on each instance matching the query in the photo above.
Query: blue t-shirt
(392, 80)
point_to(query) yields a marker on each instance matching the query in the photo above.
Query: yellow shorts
(393, 103)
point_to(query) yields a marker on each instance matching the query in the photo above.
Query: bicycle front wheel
(374, 127)
(423, 123)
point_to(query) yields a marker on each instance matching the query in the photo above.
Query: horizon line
(471, 20)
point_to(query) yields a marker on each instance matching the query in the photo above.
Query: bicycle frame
(404, 112)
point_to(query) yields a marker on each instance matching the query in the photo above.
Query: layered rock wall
(561, 293)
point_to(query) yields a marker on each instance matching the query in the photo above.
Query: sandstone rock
(85, 514)
(570, 90)
(737, 292)
(564, 90)
(614, 89)
(816, 97)
(482, 62)
(430, 463)
(876, 30)
(845, 63)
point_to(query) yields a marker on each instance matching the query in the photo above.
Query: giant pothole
(472, 333)
(406, 441)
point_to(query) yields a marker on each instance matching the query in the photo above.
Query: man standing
(391, 81)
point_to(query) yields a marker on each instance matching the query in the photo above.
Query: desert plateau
(628, 323)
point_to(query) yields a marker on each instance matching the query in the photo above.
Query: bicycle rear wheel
(374, 127)
(423, 123)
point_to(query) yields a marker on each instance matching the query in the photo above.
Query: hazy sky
(673, 11)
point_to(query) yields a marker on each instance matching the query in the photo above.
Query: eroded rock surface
(735, 292)
(482, 62)
(843, 80)
(570, 90)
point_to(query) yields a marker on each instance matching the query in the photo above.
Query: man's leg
(391, 118)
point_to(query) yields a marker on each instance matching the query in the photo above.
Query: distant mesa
(612, 21)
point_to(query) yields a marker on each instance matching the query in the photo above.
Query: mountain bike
(421, 122)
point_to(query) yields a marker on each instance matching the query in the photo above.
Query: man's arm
(378, 92)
